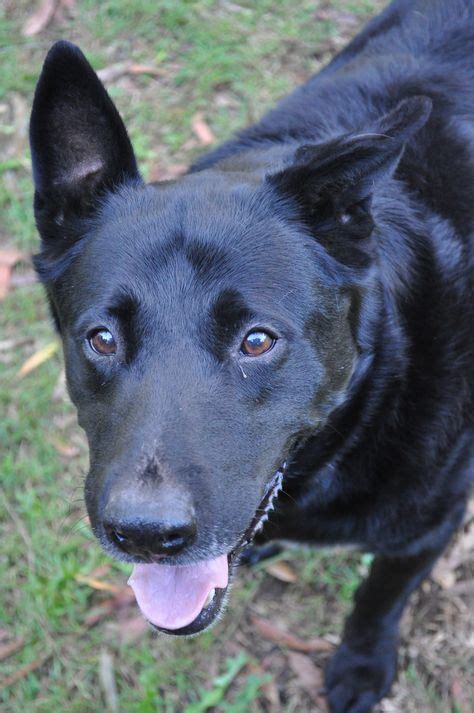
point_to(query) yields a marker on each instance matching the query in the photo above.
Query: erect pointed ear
(79, 144)
(334, 182)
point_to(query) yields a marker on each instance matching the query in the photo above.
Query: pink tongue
(172, 597)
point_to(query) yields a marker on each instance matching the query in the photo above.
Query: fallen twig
(24, 671)
(10, 648)
(107, 679)
(115, 71)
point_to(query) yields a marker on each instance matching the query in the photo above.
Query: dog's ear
(79, 144)
(334, 182)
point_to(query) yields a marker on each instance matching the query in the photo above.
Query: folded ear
(79, 144)
(334, 182)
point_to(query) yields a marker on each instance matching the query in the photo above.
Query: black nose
(149, 539)
(149, 525)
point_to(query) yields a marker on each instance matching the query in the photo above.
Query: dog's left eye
(103, 342)
(256, 343)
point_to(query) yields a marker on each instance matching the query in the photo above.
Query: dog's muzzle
(186, 599)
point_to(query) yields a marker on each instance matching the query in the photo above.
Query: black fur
(342, 224)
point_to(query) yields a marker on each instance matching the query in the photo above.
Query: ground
(184, 73)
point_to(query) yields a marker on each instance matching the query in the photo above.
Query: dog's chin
(217, 598)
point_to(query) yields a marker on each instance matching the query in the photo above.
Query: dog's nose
(149, 526)
(151, 539)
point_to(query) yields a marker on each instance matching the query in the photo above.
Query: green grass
(230, 61)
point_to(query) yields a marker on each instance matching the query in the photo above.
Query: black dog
(299, 307)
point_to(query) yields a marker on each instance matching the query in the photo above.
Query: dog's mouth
(185, 599)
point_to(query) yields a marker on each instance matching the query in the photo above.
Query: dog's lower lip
(214, 603)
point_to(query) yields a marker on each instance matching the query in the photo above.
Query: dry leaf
(309, 676)
(282, 571)
(462, 550)
(101, 570)
(100, 584)
(47, 11)
(122, 599)
(202, 130)
(137, 69)
(10, 648)
(8, 259)
(166, 173)
(40, 19)
(66, 449)
(270, 691)
(458, 695)
(283, 638)
(113, 71)
(38, 358)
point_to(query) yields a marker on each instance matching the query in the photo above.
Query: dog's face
(205, 329)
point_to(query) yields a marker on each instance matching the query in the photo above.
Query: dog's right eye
(102, 342)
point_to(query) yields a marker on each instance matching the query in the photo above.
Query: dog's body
(300, 303)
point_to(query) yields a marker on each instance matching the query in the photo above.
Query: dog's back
(414, 47)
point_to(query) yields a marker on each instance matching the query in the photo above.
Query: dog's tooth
(273, 488)
(209, 598)
(261, 523)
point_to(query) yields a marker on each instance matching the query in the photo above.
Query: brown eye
(257, 343)
(103, 342)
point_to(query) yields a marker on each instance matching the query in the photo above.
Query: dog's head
(208, 324)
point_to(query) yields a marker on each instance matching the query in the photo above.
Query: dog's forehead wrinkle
(172, 253)
(214, 214)
(183, 287)
(188, 199)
